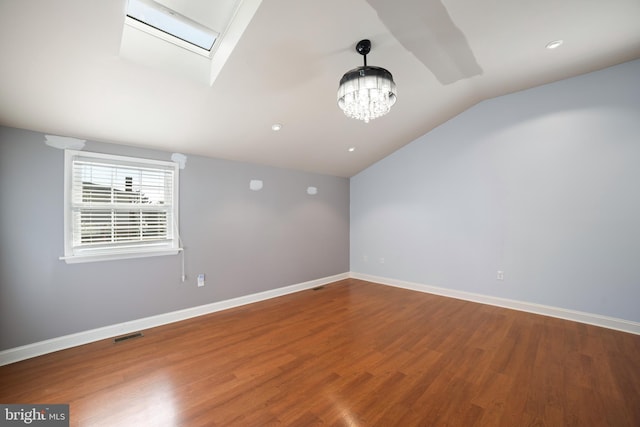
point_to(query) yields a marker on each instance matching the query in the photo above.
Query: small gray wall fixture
(542, 185)
(244, 241)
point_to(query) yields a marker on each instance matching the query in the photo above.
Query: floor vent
(128, 337)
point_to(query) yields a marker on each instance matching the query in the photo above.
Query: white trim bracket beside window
(118, 207)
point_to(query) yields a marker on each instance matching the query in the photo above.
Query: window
(169, 25)
(119, 207)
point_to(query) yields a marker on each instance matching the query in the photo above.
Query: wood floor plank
(352, 353)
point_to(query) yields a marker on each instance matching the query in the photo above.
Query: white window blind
(119, 207)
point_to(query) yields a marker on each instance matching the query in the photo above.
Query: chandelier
(366, 92)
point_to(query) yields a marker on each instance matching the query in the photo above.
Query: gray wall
(244, 241)
(542, 184)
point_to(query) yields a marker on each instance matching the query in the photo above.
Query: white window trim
(141, 251)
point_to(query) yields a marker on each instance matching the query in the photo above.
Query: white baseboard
(55, 344)
(562, 313)
(61, 343)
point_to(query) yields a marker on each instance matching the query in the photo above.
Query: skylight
(169, 25)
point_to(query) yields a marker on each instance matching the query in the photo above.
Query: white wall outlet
(365, 258)
(381, 260)
(500, 275)
(200, 280)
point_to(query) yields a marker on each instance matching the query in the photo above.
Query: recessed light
(351, 149)
(554, 44)
(276, 127)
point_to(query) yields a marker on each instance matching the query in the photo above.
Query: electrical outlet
(381, 260)
(500, 275)
(200, 280)
(365, 258)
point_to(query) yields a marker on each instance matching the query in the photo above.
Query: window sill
(76, 259)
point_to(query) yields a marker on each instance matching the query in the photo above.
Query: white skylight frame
(169, 25)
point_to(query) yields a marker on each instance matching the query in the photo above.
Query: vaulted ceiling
(66, 70)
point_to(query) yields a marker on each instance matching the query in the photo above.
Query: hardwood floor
(350, 354)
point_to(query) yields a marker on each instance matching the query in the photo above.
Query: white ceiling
(62, 72)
